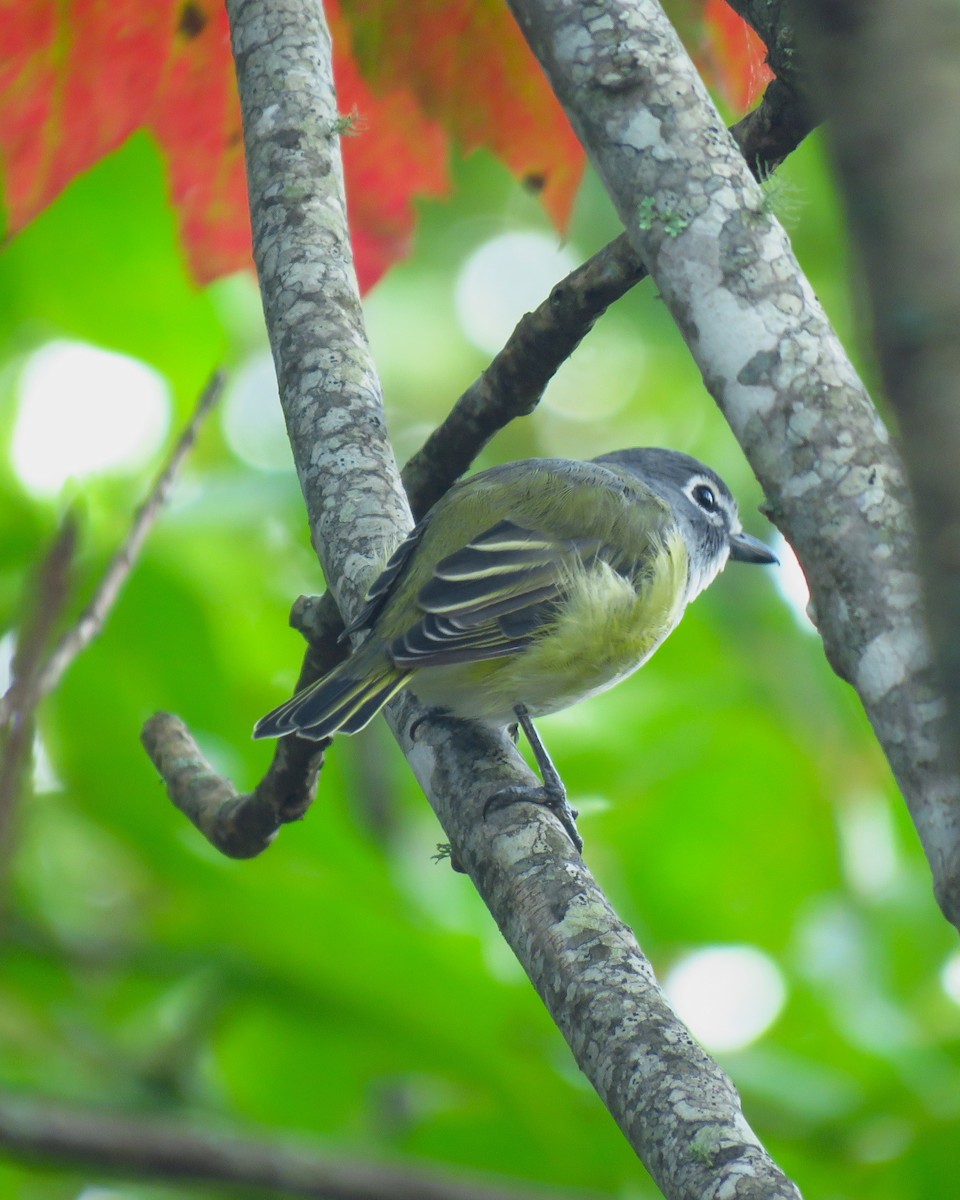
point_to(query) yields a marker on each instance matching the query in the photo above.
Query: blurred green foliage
(345, 987)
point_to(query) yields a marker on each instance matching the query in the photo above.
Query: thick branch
(889, 75)
(678, 1109)
(44, 1132)
(331, 395)
(775, 366)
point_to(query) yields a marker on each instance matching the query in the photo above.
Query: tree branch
(724, 267)
(788, 111)
(35, 672)
(896, 148)
(45, 1131)
(679, 1111)
(332, 403)
(772, 20)
(356, 508)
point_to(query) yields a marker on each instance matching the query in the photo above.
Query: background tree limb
(31, 1129)
(38, 667)
(43, 605)
(26, 693)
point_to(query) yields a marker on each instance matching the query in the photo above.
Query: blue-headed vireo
(529, 587)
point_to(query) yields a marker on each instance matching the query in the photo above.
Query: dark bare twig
(38, 1131)
(543, 340)
(772, 21)
(240, 826)
(511, 387)
(788, 111)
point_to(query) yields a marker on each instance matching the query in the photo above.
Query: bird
(527, 588)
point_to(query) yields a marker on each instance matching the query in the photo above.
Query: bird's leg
(552, 793)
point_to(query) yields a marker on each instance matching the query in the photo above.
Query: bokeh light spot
(792, 583)
(728, 996)
(868, 845)
(950, 977)
(252, 418)
(84, 410)
(504, 278)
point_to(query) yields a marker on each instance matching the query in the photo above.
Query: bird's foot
(555, 799)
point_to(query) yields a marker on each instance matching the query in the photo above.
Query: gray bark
(331, 394)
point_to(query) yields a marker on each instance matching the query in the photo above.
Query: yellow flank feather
(608, 627)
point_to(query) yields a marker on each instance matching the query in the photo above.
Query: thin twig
(36, 673)
(44, 602)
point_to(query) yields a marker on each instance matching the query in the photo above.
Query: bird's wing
(489, 599)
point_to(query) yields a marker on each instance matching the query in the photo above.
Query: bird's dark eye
(705, 498)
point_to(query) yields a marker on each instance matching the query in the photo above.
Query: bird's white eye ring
(704, 495)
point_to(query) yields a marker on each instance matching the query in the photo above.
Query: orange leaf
(77, 77)
(195, 116)
(736, 57)
(470, 69)
(394, 153)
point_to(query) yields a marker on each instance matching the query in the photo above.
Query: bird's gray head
(702, 504)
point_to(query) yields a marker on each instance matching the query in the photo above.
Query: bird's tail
(343, 701)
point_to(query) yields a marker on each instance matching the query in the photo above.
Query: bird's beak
(744, 548)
